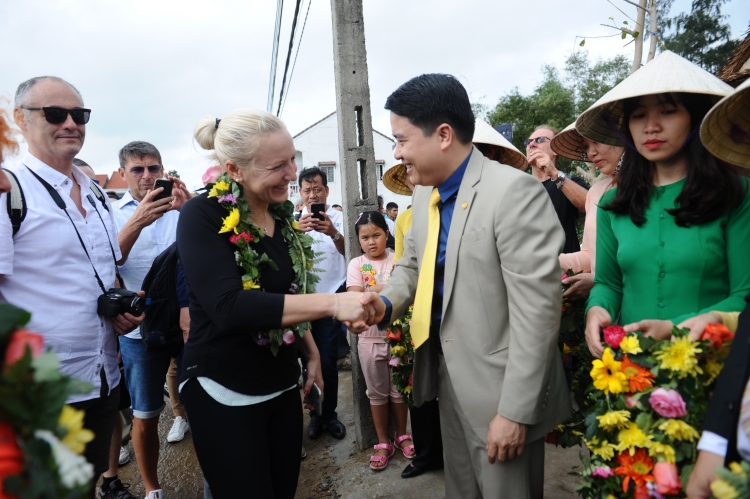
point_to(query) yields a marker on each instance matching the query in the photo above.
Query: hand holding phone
(318, 211)
(315, 399)
(166, 184)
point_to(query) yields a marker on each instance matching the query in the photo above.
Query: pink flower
(630, 400)
(603, 472)
(242, 235)
(18, 343)
(613, 335)
(668, 403)
(666, 478)
(395, 361)
(288, 337)
(210, 176)
(228, 198)
(564, 276)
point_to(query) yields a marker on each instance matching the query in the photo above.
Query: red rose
(551, 438)
(641, 492)
(613, 335)
(11, 458)
(411, 377)
(17, 345)
(717, 334)
(394, 336)
(666, 478)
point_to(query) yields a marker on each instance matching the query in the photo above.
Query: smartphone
(317, 210)
(167, 184)
(315, 399)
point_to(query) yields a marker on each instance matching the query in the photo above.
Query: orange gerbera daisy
(639, 378)
(636, 467)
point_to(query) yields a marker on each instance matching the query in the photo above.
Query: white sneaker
(124, 455)
(179, 428)
(156, 494)
(304, 452)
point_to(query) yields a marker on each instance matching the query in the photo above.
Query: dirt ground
(334, 468)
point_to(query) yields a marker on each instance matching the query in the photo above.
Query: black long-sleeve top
(222, 314)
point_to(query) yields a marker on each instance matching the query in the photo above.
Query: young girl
(370, 272)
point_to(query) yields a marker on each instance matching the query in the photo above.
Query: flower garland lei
(244, 234)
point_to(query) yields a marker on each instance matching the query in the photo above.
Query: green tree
(591, 82)
(173, 173)
(702, 36)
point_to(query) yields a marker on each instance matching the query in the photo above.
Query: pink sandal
(383, 460)
(408, 451)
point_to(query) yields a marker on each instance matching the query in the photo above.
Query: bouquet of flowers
(41, 438)
(402, 355)
(641, 436)
(733, 482)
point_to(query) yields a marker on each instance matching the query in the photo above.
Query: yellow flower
(231, 221)
(658, 449)
(737, 469)
(398, 350)
(77, 436)
(218, 186)
(607, 375)
(632, 437)
(610, 496)
(630, 345)
(613, 420)
(295, 225)
(679, 356)
(680, 430)
(566, 349)
(250, 284)
(605, 450)
(407, 389)
(712, 368)
(722, 490)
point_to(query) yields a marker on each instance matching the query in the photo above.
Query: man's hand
(150, 210)
(374, 311)
(544, 162)
(180, 193)
(659, 330)
(505, 439)
(326, 226)
(185, 323)
(703, 474)
(596, 320)
(125, 323)
(307, 223)
(580, 286)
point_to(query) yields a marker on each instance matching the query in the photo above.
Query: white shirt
(48, 274)
(152, 240)
(333, 264)
(391, 225)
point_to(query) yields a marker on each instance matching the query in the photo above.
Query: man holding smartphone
(147, 223)
(326, 226)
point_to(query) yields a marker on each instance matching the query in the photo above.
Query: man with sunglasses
(148, 226)
(568, 194)
(62, 257)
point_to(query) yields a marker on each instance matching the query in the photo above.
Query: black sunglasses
(57, 115)
(538, 140)
(137, 171)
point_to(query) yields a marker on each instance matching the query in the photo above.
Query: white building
(318, 145)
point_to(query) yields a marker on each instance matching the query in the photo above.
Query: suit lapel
(465, 195)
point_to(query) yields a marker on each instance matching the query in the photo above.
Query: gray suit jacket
(502, 300)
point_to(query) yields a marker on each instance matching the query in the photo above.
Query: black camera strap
(61, 204)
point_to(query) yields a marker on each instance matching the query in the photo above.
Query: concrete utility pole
(357, 156)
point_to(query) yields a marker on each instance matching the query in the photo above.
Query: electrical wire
(294, 64)
(288, 54)
(274, 55)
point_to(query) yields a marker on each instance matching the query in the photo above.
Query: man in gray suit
(488, 348)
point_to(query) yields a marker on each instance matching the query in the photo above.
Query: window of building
(328, 168)
(380, 168)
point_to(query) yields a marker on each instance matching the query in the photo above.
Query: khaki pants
(468, 474)
(174, 390)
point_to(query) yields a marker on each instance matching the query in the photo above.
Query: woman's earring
(619, 165)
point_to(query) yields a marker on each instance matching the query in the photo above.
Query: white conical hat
(666, 73)
(509, 155)
(725, 130)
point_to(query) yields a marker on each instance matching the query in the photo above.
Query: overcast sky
(149, 69)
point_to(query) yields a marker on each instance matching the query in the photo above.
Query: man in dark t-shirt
(568, 194)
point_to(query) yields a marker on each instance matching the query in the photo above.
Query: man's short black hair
(391, 205)
(335, 206)
(80, 162)
(138, 149)
(309, 173)
(430, 100)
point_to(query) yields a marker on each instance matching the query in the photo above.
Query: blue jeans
(326, 335)
(145, 373)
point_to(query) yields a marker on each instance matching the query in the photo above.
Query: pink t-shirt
(364, 273)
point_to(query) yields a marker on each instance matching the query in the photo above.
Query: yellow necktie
(422, 315)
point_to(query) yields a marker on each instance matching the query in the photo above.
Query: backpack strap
(16, 202)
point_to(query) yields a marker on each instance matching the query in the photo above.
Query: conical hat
(569, 143)
(509, 155)
(667, 72)
(725, 130)
(394, 179)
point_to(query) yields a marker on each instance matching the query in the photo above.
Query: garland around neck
(244, 234)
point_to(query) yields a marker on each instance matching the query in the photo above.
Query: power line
(288, 54)
(294, 64)
(274, 55)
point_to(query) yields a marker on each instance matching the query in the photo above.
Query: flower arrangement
(402, 355)
(41, 438)
(244, 234)
(733, 482)
(641, 436)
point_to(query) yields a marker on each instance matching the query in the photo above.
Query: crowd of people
(264, 286)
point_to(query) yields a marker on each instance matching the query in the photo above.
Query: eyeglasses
(137, 171)
(57, 115)
(538, 140)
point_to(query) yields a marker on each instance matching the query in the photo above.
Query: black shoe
(315, 428)
(336, 428)
(116, 490)
(411, 471)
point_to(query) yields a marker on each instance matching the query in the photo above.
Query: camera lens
(137, 306)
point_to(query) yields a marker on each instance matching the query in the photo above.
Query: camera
(118, 301)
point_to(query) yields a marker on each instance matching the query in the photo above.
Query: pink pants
(374, 358)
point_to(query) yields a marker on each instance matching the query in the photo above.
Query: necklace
(265, 217)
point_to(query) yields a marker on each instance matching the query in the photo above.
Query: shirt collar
(450, 187)
(126, 198)
(54, 177)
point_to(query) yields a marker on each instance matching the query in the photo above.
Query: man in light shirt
(147, 226)
(63, 256)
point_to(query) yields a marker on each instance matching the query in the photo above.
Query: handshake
(359, 311)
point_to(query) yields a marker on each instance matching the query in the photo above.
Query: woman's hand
(698, 324)
(349, 309)
(596, 320)
(580, 286)
(314, 374)
(656, 329)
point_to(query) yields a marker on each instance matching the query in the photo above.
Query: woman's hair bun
(205, 132)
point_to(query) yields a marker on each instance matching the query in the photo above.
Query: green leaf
(644, 421)
(583, 42)
(11, 318)
(624, 22)
(624, 35)
(635, 34)
(46, 367)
